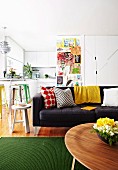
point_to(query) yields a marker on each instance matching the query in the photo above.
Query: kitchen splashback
(51, 71)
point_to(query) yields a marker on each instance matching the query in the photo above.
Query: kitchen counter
(7, 79)
(47, 80)
(34, 84)
(44, 78)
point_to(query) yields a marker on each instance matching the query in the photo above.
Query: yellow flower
(105, 121)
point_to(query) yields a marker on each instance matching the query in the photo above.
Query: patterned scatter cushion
(64, 98)
(49, 97)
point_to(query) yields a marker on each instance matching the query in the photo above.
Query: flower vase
(103, 139)
(13, 73)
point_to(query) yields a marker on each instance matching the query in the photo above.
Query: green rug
(34, 153)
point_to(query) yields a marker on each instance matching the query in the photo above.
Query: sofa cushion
(49, 97)
(107, 111)
(64, 98)
(110, 97)
(69, 114)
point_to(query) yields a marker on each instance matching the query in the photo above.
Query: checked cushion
(64, 98)
(49, 97)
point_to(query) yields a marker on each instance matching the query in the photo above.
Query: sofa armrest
(38, 105)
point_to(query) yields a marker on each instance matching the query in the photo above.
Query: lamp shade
(4, 48)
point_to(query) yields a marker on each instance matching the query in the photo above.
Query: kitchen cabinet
(41, 59)
(52, 59)
(30, 57)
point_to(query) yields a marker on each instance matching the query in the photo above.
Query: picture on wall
(69, 42)
(76, 69)
(59, 79)
(59, 44)
(68, 59)
(77, 58)
(76, 50)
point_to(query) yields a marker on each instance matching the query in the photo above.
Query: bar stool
(2, 95)
(18, 93)
(26, 92)
(15, 94)
(25, 116)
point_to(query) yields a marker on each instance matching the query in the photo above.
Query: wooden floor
(19, 130)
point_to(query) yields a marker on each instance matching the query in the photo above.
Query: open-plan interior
(58, 84)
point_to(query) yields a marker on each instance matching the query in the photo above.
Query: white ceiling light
(4, 48)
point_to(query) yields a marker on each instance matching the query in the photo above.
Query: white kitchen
(40, 64)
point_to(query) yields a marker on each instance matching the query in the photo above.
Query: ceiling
(34, 24)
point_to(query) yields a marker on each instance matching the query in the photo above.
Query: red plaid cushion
(49, 97)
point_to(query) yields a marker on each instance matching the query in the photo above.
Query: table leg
(14, 120)
(73, 164)
(27, 129)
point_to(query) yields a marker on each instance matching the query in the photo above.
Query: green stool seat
(26, 92)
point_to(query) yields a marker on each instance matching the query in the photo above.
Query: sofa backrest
(101, 90)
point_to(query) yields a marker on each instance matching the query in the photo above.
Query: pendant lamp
(4, 46)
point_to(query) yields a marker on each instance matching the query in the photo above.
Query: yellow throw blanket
(80, 94)
(87, 94)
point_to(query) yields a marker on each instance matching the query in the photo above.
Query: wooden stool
(25, 116)
(2, 95)
(20, 88)
(15, 90)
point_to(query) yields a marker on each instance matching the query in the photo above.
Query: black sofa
(70, 116)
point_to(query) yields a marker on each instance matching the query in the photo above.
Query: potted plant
(27, 69)
(12, 72)
(46, 75)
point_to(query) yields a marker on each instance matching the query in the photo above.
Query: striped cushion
(64, 98)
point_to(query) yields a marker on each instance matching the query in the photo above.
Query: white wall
(2, 60)
(15, 58)
(2, 64)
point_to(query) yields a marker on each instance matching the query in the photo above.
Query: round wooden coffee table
(89, 150)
